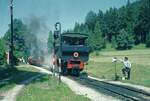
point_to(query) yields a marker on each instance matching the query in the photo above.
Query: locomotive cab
(73, 40)
(73, 52)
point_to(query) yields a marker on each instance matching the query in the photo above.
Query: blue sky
(50, 11)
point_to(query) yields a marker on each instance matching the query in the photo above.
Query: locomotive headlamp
(75, 54)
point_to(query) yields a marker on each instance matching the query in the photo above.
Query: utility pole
(57, 35)
(11, 36)
(128, 2)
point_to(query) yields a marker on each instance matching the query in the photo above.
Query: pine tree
(90, 20)
(148, 40)
(112, 23)
(143, 24)
(20, 31)
(96, 42)
(77, 27)
(2, 51)
(124, 40)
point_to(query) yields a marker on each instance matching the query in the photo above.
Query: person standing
(127, 68)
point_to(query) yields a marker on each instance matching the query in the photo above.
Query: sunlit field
(101, 66)
(47, 88)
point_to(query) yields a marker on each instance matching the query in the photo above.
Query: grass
(46, 88)
(8, 72)
(101, 66)
(109, 47)
(17, 75)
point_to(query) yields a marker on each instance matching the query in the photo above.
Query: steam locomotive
(37, 61)
(70, 52)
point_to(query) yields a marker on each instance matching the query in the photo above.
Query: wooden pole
(11, 36)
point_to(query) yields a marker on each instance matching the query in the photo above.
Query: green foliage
(148, 40)
(113, 42)
(24, 39)
(50, 42)
(112, 23)
(124, 40)
(123, 27)
(81, 28)
(90, 20)
(77, 27)
(2, 52)
(19, 41)
(96, 42)
(143, 24)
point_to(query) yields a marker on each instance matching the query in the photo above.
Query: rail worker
(127, 68)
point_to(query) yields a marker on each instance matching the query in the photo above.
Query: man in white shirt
(127, 68)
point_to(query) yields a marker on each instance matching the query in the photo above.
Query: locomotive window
(73, 41)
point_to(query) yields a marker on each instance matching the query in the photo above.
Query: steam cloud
(37, 27)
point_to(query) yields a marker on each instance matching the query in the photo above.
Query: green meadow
(100, 65)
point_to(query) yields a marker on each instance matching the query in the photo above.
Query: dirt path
(82, 89)
(76, 87)
(11, 94)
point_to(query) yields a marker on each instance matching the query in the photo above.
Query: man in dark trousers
(127, 68)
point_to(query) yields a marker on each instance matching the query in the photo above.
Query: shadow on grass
(10, 77)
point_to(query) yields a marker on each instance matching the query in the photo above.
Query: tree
(132, 21)
(143, 25)
(2, 51)
(113, 42)
(100, 19)
(124, 40)
(24, 39)
(96, 42)
(90, 20)
(111, 23)
(81, 28)
(77, 27)
(19, 41)
(148, 40)
(50, 42)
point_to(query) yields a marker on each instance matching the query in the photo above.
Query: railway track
(122, 92)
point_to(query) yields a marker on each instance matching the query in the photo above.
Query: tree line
(24, 41)
(123, 28)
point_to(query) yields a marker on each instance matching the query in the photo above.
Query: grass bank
(16, 76)
(46, 88)
(101, 66)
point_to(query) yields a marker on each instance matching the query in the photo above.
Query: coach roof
(76, 35)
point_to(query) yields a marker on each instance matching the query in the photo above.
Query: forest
(123, 28)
